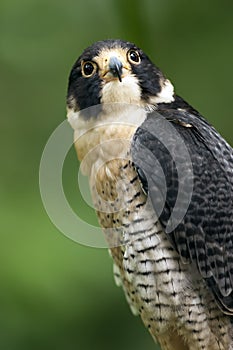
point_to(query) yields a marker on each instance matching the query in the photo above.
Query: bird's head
(116, 71)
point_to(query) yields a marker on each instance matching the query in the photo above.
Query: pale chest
(147, 264)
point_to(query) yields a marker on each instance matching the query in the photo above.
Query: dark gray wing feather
(205, 232)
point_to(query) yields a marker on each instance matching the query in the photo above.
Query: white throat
(126, 91)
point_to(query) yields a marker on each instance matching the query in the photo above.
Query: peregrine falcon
(161, 179)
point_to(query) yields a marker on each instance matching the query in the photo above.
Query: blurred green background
(54, 293)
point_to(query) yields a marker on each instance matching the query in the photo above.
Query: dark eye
(134, 57)
(88, 69)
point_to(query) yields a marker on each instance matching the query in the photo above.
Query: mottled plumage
(161, 178)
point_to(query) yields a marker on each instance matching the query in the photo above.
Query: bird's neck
(106, 136)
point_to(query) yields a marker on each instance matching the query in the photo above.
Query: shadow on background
(56, 294)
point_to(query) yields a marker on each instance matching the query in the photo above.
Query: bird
(161, 179)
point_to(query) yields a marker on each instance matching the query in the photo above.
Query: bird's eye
(134, 57)
(88, 69)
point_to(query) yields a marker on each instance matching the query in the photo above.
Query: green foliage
(56, 294)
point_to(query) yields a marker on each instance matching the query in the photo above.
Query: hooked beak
(115, 67)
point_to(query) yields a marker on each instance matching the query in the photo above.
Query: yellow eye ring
(88, 69)
(134, 57)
